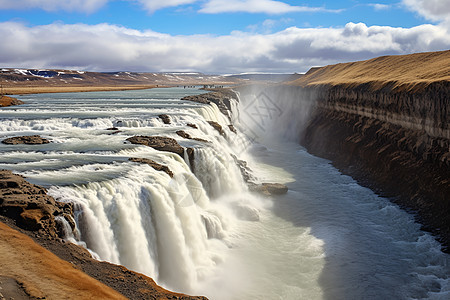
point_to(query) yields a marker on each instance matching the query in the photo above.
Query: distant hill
(17, 81)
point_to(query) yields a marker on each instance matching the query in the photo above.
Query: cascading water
(196, 232)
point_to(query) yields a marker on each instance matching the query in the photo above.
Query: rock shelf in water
(153, 164)
(29, 140)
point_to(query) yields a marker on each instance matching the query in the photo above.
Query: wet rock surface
(231, 127)
(165, 118)
(153, 164)
(186, 135)
(222, 97)
(159, 143)
(217, 127)
(268, 189)
(29, 140)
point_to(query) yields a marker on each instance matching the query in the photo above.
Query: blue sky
(215, 36)
(186, 19)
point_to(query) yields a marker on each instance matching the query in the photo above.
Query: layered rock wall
(393, 139)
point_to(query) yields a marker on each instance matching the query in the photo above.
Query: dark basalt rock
(268, 189)
(30, 207)
(159, 143)
(231, 127)
(221, 97)
(165, 118)
(245, 170)
(29, 140)
(112, 128)
(192, 125)
(190, 153)
(153, 164)
(217, 127)
(186, 135)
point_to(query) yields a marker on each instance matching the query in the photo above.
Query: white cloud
(379, 6)
(436, 10)
(54, 5)
(255, 6)
(105, 47)
(154, 5)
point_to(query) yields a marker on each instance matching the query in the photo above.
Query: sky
(215, 36)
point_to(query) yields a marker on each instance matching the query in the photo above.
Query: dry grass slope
(41, 274)
(398, 71)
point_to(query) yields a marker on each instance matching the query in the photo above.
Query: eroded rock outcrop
(9, 101)
(165, 118)
(161, 143)
(186, 135)
(30, 207)
(221, 97)
(29, 140)
(217, 127)
(153, 164)
(268, 189)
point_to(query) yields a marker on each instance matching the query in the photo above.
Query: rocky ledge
(29, 140)
(186, 135)
(165, 118)
(221, 97)
(9, 101)
(268, 189)
(153, 164)
(28, 209)
(162, 143)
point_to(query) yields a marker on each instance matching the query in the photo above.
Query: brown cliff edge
(386, 122)
(38, 264)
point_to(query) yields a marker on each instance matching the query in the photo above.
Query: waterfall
(174, 230)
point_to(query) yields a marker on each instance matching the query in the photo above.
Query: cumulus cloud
(105, 47)
(255, 6)
(435, 10)
(54, 5)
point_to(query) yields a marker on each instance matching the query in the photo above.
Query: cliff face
(396, 142)
(386, 122)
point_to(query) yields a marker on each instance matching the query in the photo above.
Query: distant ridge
(398, 71)
(21, 81)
